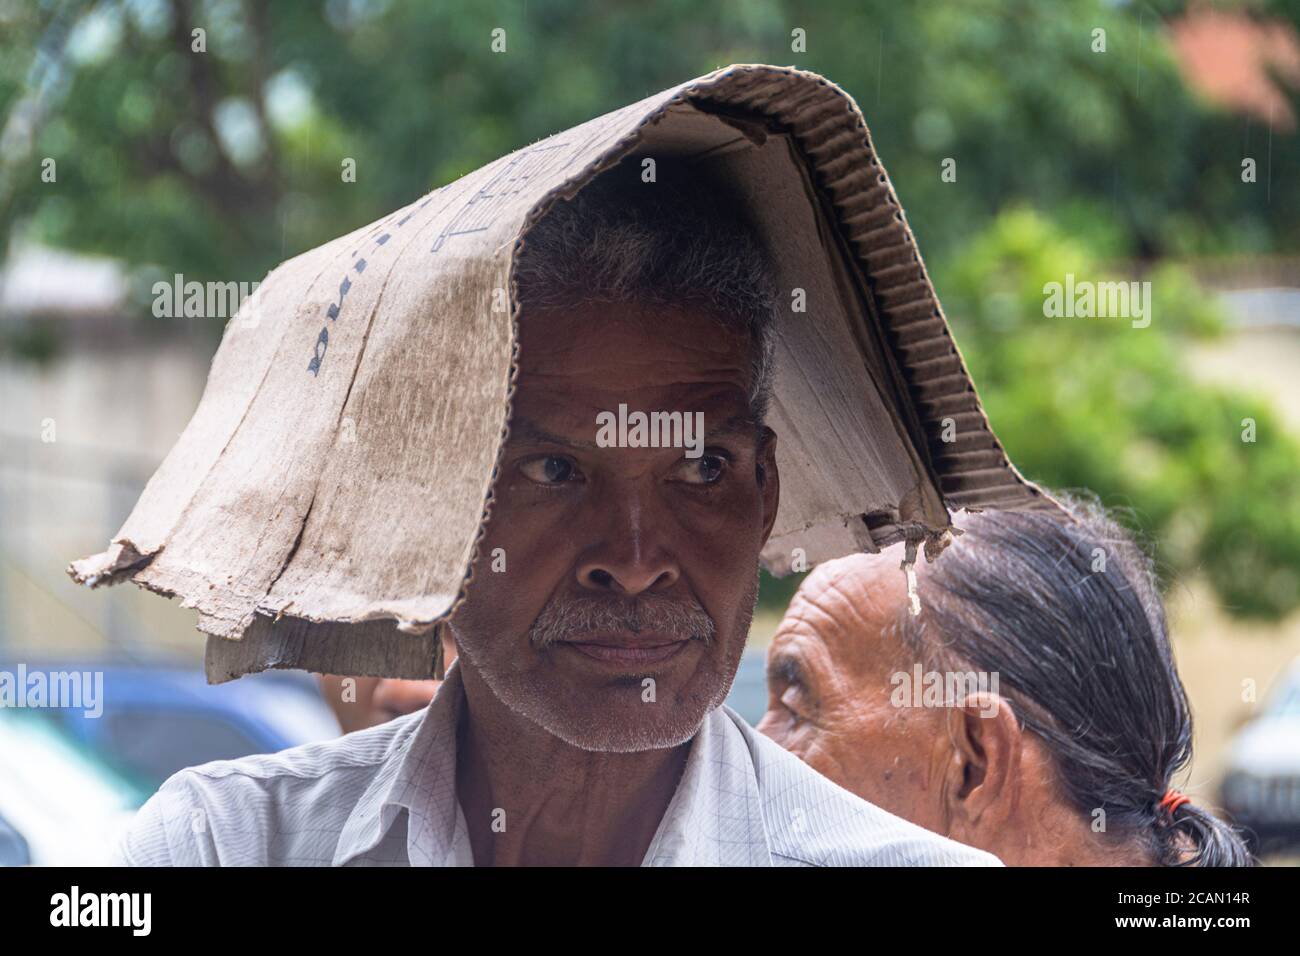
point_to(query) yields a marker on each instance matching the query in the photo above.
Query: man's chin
(622, 738)
(604, 707)
(624, 719)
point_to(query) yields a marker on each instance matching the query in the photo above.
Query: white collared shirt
(386, 796)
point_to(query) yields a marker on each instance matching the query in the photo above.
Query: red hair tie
(1172, 800)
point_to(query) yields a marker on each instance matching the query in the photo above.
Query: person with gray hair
(617, 243)
(1032, 708)
(607, 608)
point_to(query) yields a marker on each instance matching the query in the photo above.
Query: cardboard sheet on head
(322, 509)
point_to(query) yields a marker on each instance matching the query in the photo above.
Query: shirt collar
(714, 818)
(419, 779)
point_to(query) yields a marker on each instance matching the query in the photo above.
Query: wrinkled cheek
(497, 612)
(844, 754)
(519, 564)
(829, 763)
(728, 536)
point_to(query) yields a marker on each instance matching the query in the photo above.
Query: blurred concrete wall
(78, 440)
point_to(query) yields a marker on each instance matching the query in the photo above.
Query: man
(1032, 708)
(582, 722)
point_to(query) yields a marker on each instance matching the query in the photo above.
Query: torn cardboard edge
(108, 567)
(345, 649)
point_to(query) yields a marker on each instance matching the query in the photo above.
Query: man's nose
(631, 559)
(626, 579)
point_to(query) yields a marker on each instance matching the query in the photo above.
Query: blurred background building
(141, 139)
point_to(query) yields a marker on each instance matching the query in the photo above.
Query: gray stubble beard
(526, 695)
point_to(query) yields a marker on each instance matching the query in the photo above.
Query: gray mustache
(566, 616)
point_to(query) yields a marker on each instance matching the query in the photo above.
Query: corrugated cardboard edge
(974, 471)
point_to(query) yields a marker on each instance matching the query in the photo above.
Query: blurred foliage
(35, 342)
(221, 164)
(1099, 404)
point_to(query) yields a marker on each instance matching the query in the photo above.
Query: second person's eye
(550, 469)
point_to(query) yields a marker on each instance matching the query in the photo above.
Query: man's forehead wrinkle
(828, 606)
(627, 385)
(524, 430)
(644, 316)
(741, 423)
(579, 340)
(571, 417)
(568, 347)
(849, 604)
(652, 371)
(863, 584)
(806, 616)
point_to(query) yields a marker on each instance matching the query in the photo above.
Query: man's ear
(769, 481)
(984, 765)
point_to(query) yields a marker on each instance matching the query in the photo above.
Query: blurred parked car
(1261, 781)
(59, 806)
(69, 782)
(159, 720)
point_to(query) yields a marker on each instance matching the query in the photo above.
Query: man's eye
(705, 470)
(550, 470)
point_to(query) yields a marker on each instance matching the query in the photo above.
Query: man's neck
(531, 799)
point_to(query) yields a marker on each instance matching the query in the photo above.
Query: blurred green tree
(1099, 404)
(221, 163)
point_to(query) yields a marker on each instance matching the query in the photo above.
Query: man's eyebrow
(741, 424)
(527, 431)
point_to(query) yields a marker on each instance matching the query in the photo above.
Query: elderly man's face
(969, 774)
(630, 573)
(828, 672)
